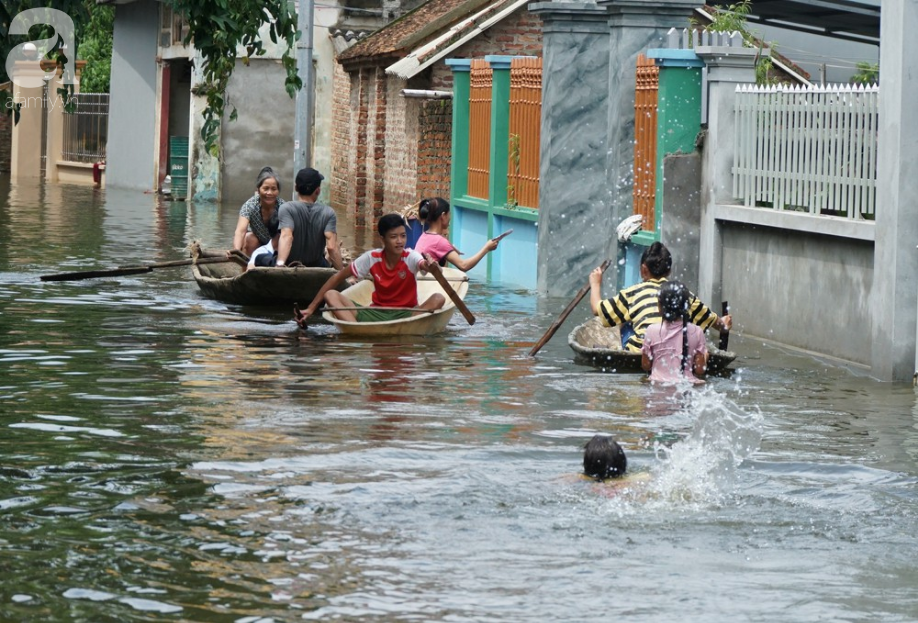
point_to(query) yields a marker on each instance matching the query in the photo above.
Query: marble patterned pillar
(572, 169)
(634, 26)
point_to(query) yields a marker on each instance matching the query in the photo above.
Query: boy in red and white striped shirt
(393, 269)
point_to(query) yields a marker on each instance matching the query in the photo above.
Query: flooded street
(165, 457)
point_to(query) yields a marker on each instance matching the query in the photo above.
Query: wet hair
(674, 305)
(390, 221)
(267, 173)
(432, 209)
(604, 458)
(657, 259)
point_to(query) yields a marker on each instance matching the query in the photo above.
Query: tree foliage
(9, 9)
(867, 73)
(733, 18)
(217, 28)
(96, 47)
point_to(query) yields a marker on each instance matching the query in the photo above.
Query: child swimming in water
(603, 458)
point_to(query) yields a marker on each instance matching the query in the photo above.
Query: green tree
(867, 73)
(733, 18)
(96, 48)
(217, 28)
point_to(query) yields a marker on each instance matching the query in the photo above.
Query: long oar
(724, 335)
(135, 270)
(434, 270)
(567, 312)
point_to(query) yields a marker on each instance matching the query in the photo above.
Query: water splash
(701, 469)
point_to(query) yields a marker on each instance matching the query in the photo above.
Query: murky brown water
(167, 457)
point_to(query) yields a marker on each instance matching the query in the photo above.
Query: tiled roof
(398, 37)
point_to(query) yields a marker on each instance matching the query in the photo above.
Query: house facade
(156, 109)
(391, 149)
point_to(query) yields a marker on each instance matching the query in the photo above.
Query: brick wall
(435, 120)
(401, 147)
(378, 132)
(518, 35)
(6, 140)
(339, 177)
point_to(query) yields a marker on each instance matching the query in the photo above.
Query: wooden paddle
(724, 335)
(434, 269)
(567, 312)
(135, 270)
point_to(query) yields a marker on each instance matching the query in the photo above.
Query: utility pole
(306, 96)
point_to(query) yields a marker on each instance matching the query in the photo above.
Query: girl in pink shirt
(674, 349)
(434, 242)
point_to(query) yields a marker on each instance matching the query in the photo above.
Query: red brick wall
(342, 152)
(6, 140)
(518, 35)
(401, 147)
(433, 152)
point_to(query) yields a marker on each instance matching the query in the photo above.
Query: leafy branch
(217, 28)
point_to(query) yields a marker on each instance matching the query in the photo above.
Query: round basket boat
(601, 347)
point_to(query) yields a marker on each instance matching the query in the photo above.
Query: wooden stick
(567, 312)
(457, 300)
(134, 270)
(724, 335)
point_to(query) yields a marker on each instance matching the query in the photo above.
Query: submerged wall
(808, 290)
(132, 110)
(262, 134)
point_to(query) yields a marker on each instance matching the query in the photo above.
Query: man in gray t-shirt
(308, 228)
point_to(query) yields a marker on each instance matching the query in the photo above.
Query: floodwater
(165, 457)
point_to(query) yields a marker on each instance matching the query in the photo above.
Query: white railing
(808, 150)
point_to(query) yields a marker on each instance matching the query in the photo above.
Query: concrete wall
(262, 135)
(132, 113)
(802, 289)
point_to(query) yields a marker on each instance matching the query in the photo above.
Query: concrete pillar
(573, 186)
(726, 67)
(895, 276)
(25, 153)
(54, 137)
(635, 26)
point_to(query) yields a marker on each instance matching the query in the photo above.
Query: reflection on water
(165, 456)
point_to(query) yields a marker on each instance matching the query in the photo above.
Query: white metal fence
(86, 129)
(809, 150)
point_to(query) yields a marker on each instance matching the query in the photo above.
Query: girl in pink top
(674, 349)
(434, 242)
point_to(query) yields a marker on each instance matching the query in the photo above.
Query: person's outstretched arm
(242, 226)
(466, 265)
(284, 246)
(334, 250)
(333, 282)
